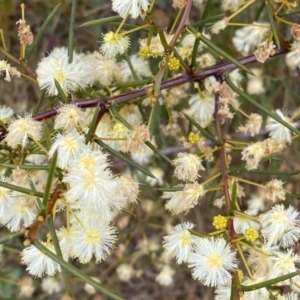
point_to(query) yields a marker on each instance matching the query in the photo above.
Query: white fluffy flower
(89, 159)
(281, 226)
(114, 44)
(131, 114)
(202, 107)
(165, 277)
(179, 242)
(261, 294)
(143, 155)
(6, 198)
(249, 37)
(130, 189)
(21, 129)
(187, 166)
(92, 237)
(255, 83)
(56, 66)
(240, 224)
(70, 117)
(22, 212)
(278, 131)
(50, 285)
(132, 7)
(38, 263)
(232, 5)
(117, 133)
(102, 68)
(158, 176)
(5, 113)
(94, 189)
(212, 261)
(293, 57)
(223, 292)
(68, 147)
(283, 263)
(183, 201)
(125, 272)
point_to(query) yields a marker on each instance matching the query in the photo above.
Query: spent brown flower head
(138, 136)
(295, 31)
(264, 51)
(24, 33)
(179, 3)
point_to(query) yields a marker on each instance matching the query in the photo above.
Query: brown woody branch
(217, 70)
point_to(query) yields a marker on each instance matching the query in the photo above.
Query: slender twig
(224, 172)
(217, 70)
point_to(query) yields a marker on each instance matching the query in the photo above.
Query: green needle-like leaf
(71, 31)
(272, 23)
(224, 54)
(65, 275)
(26, 167)
(233, 197)
(98, 286)
(158, 152)
(202, 130)
(21, 189)
(37, 107)
(61, 92)
(253, 287)
(10, 237)
(288, 13)
(171, 189)
(47, 190)
(101, 21)
(261, 107)
(123, 158)
(92, 125)
(40, 33)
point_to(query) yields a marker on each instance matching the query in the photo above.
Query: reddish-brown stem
(183, 22)
(217, 70)
(224, 169)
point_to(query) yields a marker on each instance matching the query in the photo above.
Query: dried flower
(252, 126)
(137, 137)
(264, 51)
(24, 33)
(187, 166)
(274, 190)
(249, 37)
(9, 71)
(179, 3)
(295, 32)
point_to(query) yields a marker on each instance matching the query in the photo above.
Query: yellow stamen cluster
(251, 234)
(220, 222)
(173, 64)
(240, 275)
(193, 137)
(145, 52)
